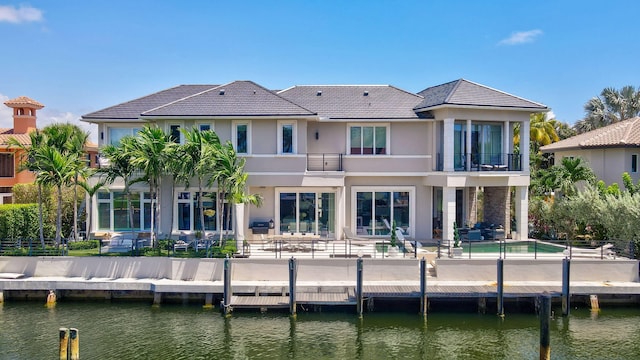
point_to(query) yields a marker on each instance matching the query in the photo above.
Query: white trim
(180, 125)
(234, 135)
(301, 189)
(412, 203)
(211, 124)
(294, 134)
(369, 156)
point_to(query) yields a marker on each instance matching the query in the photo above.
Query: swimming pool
(519, 247)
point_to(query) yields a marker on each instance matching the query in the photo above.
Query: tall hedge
(19, 221)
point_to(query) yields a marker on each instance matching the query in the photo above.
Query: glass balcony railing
(482, 162)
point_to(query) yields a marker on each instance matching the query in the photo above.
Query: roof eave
(483, 107)
(213, 117)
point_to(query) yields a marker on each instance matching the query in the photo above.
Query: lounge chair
(349, 236)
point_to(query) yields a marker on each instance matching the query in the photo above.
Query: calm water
(137, 331)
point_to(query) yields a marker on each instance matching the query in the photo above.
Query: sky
(80, 56)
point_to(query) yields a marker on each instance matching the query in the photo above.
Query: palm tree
(225, 168)
(610, 107)
(54, 168)
(150, 153)
(542, 131)
(194, 161)
(120, 166)
(564, 177)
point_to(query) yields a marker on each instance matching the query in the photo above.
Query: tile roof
(465, 92)
(238, 98)
(23, 139)
(354, 101)
(23, 101)
(621, 134)
(132, 109)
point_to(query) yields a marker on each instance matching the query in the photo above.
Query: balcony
(483, 162)
(324, 162)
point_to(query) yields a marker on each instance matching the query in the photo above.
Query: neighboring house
(326, 157)
(610, 150)
(24, 122)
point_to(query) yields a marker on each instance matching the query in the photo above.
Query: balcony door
(307, 212)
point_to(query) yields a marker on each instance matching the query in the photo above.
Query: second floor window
(368, 139)
(634, 163)
(6, 165)
(174, 133)
(286, 137)
(241, 137)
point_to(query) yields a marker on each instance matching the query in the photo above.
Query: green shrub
(83, 245)
(19, 221)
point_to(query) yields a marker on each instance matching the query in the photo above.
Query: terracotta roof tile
(23, 101)
(621, 134)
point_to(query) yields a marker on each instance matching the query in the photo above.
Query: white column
(468, 146)
(524, 145)
(448, 145)
(522, 212)
(507, 143)
(448, 212)
(238, 227)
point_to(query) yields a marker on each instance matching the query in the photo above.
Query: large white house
(325, 157)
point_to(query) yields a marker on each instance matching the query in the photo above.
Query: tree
(194, 161)
(564, 177)
(121, 167)
(150, 153)
(610, 107)
(57, 170)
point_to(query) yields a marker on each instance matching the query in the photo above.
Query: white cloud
(521, 37)
(19, 15)
(6, 114)
(53, 116)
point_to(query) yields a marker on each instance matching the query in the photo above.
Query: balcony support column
(507, 142)
(448, 145)
(524, 146)
(448, 213)
(468, 154)
(522, 212)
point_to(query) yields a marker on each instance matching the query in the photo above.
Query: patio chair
(348, 235)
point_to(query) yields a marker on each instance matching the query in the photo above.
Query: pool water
(521, 247)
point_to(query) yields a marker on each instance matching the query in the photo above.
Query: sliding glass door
(307, 212)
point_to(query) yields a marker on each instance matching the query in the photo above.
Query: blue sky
(80, 56)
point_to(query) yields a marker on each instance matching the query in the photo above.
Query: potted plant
(393, 248)
(457, 249)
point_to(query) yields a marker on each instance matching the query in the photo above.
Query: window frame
(382, 189)
(387, 147)
(634, 163)
(211, 125)
(234, 135)
(144, 198)
(11, 156)
(294, 137)
(180, 125)
(133, 131)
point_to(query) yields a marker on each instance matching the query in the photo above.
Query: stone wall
(497, 207)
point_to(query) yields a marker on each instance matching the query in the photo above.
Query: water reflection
(136, 331)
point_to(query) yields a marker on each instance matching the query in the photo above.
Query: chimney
(24, 114)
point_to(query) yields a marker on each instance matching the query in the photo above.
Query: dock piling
(545, 315)
(566, 301)
(74, 344)
(423, 287)
(226, 302)
(64, 343)
(359, 279)
(500, 292)
(293, 274)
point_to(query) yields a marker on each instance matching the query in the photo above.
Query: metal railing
(482, 162)
(532, 248)
(324, 162)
